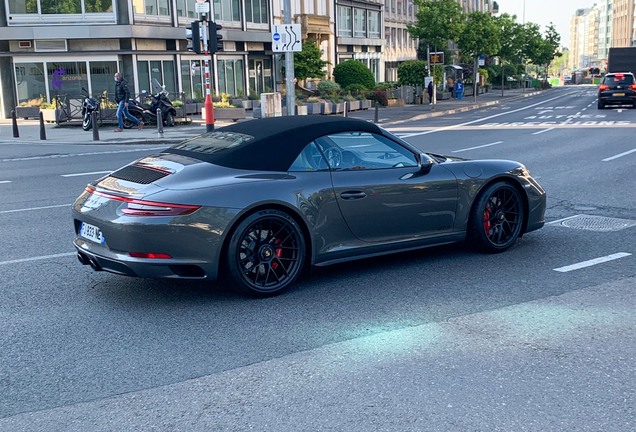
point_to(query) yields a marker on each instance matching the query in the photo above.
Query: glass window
(231, 77)
(310, 159)
(227, 10)
(256, 11)
(98, 6)
(192, 13)
(30, 81)
(364, 150)
(619, 80)
(168, 77)
(344, 21)
(23, 6)
(102, 73)
(374, 24)
(61, 7)
(186, 78)
(181, 8)
(67, 78)
(359, 23)
(143, 75)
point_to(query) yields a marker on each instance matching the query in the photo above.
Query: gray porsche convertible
(258, 202)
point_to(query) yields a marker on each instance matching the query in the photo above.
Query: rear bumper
(628, 99)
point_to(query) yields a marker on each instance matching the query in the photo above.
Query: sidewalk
(67, 134)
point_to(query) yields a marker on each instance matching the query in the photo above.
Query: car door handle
(351, 195)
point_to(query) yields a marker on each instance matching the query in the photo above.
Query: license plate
(91, 232)
(619, 94)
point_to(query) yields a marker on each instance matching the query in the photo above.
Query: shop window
(29, 79)
(230, 73)
(101, 75)
(58, 7)
(67, 78)
(227, 10)
(359, 23)
(143, 75)
(161, 70)
(344, 21)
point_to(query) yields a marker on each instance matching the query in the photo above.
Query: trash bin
(459, 90)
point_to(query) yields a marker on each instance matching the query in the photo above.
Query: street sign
(287, 38)
(202, 7)
(437, 58)
(482, 60)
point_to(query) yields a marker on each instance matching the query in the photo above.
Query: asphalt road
(439, 339)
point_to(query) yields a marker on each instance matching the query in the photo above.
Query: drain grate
(597, 223)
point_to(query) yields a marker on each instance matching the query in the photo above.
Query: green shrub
(313, 100)
(353, 72)
(356, 88)
(412, 73)
(380, 96)
(177, 104)
(327, 88)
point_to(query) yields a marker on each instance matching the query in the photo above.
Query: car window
(309, 159)
(364, 150)
(619, 80)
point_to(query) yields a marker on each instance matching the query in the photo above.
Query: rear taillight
(149, 255)
(633, 86)
(603, 87)
(136, 207)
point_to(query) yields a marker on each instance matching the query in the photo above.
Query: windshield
(213, 142)
(619, 80)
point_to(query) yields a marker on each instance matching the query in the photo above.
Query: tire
(128, 124)
(266, 254)
(87, 123)
(169, 120)
(496, 218)
(600, 105)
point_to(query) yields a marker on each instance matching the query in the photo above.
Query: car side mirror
(425, 162)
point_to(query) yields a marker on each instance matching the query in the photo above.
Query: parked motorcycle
(148, 112)
(89, 106)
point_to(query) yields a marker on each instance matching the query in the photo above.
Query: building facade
(622, 23)
(604, 30)
(399, 45)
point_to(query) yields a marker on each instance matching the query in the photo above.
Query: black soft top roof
(277, 141)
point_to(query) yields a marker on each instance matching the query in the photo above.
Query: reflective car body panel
(344, 214)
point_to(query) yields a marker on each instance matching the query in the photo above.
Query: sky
(543, 12)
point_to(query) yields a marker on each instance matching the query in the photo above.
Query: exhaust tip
(83, 259)
(95, 265)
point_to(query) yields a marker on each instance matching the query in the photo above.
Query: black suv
(617, 89)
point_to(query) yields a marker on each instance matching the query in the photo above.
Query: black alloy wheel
(169, 120)
(87, 123)
(266, 253)
(600, 104)
(496, 218)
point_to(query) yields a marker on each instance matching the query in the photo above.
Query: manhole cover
(597, 223)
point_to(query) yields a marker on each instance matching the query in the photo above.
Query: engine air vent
(137, 174)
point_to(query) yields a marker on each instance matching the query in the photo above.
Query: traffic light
(215, 41)
(193, 35)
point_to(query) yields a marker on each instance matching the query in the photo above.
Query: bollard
(344, 113)
(14, 120)
(376, 117)
(159, 124)
(42, 128)
(95, 130)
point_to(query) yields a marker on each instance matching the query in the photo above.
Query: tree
(309, 63)
(481, 35)
(511, 41)
(437, 22)
(538, 49)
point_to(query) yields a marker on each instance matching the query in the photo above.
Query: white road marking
(84, 174)
(561, 220)
(619, 155)
(44, 257)
(81, 154)
(589, 263)
(541, 131)
(584, 109)
(478, 147)
(482, 119)
(35, 208)
(619, 110)
(5, 181)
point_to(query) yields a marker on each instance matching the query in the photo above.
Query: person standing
(122, 96)
(429, 90)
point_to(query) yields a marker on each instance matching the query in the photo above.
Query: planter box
(247, 104)
(301, 110)
(191, 108)
(366, 104)
(354, 106)
(226, 114)
(27, 112)
(256, 104)
(314, 108)
(200, 107)
(327, 108)
(396, 103)
(54, 116)
(338, 108)
(107, 115)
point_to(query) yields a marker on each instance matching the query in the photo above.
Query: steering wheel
(334, 157)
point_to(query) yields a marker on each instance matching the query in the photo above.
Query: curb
(464, 109)
(97, 143)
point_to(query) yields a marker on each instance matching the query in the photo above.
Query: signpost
(436, 58)
(482, 60)
(287, 38)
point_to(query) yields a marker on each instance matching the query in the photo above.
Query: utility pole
(289, 66)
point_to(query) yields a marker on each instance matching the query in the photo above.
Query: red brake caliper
(278, 251)
(487, 224)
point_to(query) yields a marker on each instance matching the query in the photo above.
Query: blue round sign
(276, 37)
